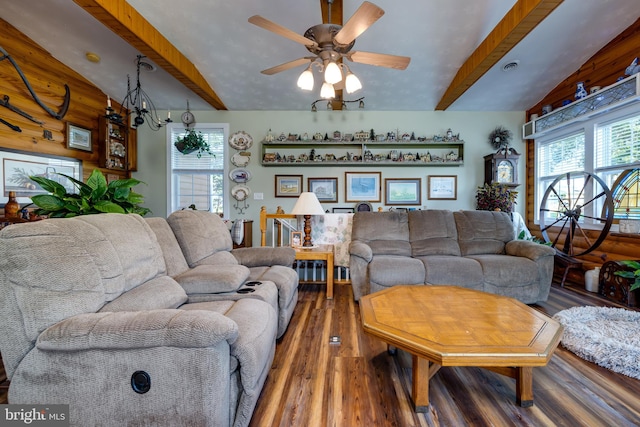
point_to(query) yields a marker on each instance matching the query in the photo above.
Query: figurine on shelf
(633, 68)
(581, 92)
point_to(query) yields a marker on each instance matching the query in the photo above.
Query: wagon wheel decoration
(564, 206)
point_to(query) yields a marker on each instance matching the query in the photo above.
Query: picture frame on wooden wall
(18, 166)
(79, 138)
(442, 187)
(288, 185)
(402, 191)
(325, 189)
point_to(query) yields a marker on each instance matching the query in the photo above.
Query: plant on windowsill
(193, 141)
(94, 197)
(635, 274)
(495, 197)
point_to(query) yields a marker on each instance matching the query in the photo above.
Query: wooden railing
(279, 226)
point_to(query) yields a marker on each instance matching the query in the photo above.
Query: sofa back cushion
(433, 232)
(56, 268)
(203, 237)
(483, 232)
(386, 233)
(173, 256)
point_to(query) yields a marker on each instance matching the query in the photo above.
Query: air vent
(510, 66)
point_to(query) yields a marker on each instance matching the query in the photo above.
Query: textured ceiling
(438, 35)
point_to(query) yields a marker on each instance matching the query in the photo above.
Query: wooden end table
(454, 326)
(319, 253)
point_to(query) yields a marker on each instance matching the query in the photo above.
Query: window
(605, 146)
(200, 182)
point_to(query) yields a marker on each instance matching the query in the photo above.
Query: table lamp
(307, 205)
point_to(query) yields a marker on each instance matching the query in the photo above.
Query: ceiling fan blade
(286, 66)
(380, 59)
(363, 18)
(280, 30)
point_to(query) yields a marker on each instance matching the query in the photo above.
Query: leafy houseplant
(495, 197)
(96, 196)
(193, 141)
(635, 274)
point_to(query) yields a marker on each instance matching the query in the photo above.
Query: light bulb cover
(352, 83)
(327, 91)
(305, 81)
(332, 73)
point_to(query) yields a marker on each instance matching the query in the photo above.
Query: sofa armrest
(139, 329)
(528, 249)
(265, 256)
(361, 250)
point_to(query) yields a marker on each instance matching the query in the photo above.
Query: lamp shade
(332, 73)
(327, 91)
(308, 204)
(305, 81)
(352, 83)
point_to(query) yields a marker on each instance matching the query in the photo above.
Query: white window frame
(589, 128)
(225, 174)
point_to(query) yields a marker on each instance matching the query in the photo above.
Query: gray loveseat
(473, 249)
(92, 319)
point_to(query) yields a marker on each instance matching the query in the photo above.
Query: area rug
(609, 337)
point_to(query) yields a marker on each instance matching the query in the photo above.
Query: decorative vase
(12, 207)
(581, 92)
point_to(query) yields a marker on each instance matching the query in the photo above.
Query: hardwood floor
(357, 383)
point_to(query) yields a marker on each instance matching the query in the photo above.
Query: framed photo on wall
(78, 138)
(326, 189)
(442, 187)
(362, 186)
(402, 191)
(288, 185)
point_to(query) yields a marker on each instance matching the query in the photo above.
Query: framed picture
(78, 138)
(343, 210)
(362, 186)
(326, 189)
(402, 191)
(18, 166)
(442, 187)
(288, 185)
(296, 239)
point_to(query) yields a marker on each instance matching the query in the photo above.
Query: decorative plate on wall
(241, 159)
(240, 175)
(241, 140)
(240, 192)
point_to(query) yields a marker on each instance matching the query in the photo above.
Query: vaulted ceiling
(207, 51)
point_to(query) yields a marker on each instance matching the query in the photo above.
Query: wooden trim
(523, 17)
(126, 22)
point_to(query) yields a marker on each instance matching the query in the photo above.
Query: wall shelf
(363, 153)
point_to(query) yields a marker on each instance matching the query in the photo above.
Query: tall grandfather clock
(502, 167)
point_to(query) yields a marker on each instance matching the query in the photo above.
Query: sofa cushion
(483, 232)
(173, 257)
(512, 276)
(452, 270)
(390, 270)
(387, 233)
(433, 232)
(204, 279)
(202, 235)
(161, 292)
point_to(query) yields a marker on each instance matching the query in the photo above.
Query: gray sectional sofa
(473, 249)
(104, 313)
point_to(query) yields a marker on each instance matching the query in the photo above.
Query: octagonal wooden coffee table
(454, 326)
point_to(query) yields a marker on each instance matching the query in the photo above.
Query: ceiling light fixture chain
(138, 102)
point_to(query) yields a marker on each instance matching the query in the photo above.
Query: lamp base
(307, 232)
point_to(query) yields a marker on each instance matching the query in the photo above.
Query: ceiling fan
(330, 43)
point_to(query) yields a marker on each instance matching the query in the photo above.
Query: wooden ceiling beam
(336, 18)
(523, 17)
(126, 22)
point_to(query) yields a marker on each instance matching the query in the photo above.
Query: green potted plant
(635, 274)
(495, 197)
(96, 196)
(193, 141)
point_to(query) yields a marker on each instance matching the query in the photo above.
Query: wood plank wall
(47, 77)
(602, 69)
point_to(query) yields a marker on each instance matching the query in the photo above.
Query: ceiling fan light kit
(331, 44)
